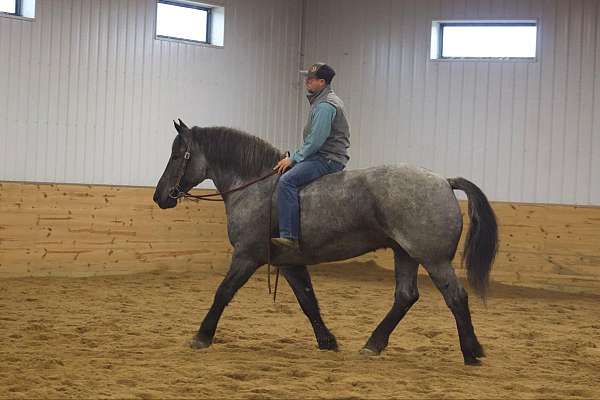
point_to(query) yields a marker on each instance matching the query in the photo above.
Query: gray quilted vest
(337, 143)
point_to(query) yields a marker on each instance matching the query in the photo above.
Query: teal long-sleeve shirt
(322, 118)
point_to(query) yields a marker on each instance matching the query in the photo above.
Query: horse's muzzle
(175, 192)
(165, 202)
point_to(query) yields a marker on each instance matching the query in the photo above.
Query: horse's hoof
(479, 352)
(329, 347)
(329, 344)
(365, 351)
(472, 361)
(197, 343)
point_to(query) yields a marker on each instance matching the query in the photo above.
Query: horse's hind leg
(443, 276)
(405, 296)
(299, 280)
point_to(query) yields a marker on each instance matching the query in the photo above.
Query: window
(189, 21)
(18, 8)
(483, 39)
(8, 6)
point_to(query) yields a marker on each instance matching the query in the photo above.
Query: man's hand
(283, 165)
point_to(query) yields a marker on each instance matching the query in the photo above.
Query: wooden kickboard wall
(77, 230)
(82, 230)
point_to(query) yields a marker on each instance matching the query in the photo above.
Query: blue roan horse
(410, 210)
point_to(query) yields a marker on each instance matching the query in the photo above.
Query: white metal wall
(88, 95)
(523, 131)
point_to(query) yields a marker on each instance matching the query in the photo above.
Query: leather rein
(177, 193)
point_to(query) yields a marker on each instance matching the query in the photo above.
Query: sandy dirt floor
(125, 337)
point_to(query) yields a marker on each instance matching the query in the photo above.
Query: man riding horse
(324, 151)
(410, 210)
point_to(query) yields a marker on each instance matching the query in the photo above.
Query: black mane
(233, 149)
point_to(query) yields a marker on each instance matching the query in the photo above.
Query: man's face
(314, 84)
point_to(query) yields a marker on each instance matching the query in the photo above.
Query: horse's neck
(229, 180)
(227, 177)
(224, 180)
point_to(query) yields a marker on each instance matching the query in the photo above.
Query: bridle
(177, 193)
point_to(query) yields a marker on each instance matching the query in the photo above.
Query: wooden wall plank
(79, 230)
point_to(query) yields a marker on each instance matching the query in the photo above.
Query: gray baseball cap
(319, 71)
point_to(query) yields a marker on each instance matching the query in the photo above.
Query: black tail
(481, 244)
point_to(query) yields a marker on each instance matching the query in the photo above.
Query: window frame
(185, 5)
(18, 9)
(495, 23)
(22, 6)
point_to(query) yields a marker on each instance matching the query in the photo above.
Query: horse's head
(186, 168)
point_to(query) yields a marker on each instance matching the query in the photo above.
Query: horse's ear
(182, 124)
(179, 128)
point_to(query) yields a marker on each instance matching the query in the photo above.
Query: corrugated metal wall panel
(88, 95)
(523, 131)
(595, 136)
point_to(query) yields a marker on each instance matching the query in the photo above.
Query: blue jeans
(301, 174)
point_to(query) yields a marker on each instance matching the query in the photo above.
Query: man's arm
(321, 128)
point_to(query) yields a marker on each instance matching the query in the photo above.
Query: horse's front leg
(240, 271)
(299, 279)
